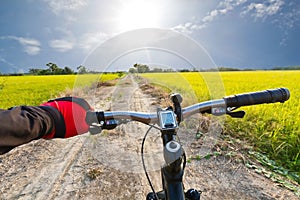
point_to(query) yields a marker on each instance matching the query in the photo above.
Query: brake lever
(111, 124)
(94, 130)
(107, 125)
(236, 114)
(218, 111)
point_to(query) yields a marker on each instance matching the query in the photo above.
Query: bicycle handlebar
(246, 99)
(173, 170)
(266, 96)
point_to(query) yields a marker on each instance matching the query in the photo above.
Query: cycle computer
(167, 119)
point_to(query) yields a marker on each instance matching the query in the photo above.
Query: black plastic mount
(177, 100)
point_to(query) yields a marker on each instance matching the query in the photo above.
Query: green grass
(273, 129)
(33, 90)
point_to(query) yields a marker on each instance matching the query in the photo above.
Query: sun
(139, 14)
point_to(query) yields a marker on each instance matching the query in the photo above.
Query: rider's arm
(59, 118)
(23, 124)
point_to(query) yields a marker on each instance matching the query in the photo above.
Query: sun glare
(138, 14)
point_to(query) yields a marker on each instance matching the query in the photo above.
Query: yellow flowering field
(273, 129)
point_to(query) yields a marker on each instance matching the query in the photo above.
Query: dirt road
(108, 166)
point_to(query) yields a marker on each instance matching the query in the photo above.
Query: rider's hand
(72, 120)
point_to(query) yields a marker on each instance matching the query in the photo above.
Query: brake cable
(144, 166)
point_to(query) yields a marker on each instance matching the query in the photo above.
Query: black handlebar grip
(94, 117)
(266, 96)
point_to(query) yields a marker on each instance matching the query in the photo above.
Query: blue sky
(236, 33)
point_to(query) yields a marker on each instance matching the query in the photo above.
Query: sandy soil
(108, 166)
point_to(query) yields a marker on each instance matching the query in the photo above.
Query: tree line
(142, 68)
(53, 69)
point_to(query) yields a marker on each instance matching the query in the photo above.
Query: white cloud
(26, 41)
(290, 19)
(58, 6)
(285, 15)
(224, 7)
(85, 42)
(188, 27)
(30, 46)
(265, 9)
(231, 4)
(210, 17)
(183, 28)
(90, 40)
(32, 50)
(61, 45)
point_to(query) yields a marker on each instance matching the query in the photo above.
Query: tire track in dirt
(153, 154)
(119, 150)
(38, 176)
(46, 183)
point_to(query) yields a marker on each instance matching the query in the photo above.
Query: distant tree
(68, 70)
(44, 72)
(168, 70)
(156, 69)
(82, 70)
(141, 68)
(54, 68)
(184, 70)
(195, 69)
(132, 70)
(287, 68)
(228, 69)
(34, 71)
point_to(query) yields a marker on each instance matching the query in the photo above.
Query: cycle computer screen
(167, 119)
